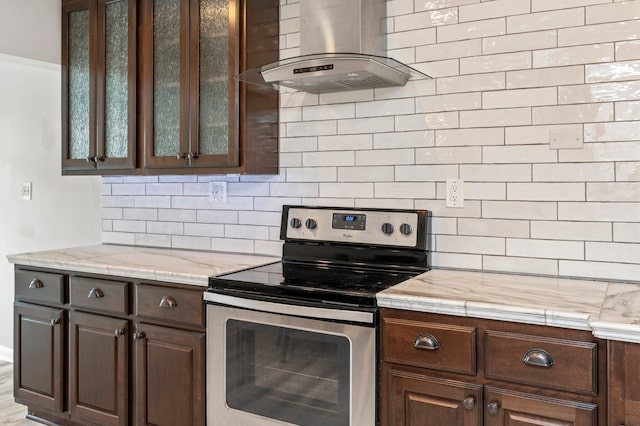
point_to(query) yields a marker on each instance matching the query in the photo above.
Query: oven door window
(295, 376)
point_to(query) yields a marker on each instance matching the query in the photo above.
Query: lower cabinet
(169, 376)
(438, 370)
(108, 352)
(99, 369)
(39, 356)
(624, 384)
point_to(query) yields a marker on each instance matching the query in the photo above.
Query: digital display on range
(352, 222)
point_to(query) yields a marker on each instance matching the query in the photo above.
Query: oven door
(269, 368)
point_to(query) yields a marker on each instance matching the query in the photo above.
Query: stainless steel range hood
(342, 47)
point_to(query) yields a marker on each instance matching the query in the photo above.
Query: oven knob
(406, 229)
(311, 224)
(296, 223)
(387, 228)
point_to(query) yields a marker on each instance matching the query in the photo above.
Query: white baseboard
(6, 354)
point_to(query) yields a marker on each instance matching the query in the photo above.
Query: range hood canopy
(342, 46)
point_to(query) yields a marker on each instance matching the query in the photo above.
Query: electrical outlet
(454, 193)
(25, 191)
(218, 192)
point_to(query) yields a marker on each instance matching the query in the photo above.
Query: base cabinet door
(99, 369)
(417, 400)
(169, 379)
(39, 356)
(503, 407)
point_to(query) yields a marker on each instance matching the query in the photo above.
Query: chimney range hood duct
(342, 47)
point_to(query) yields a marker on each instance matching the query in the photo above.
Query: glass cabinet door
(189, 50)
(99, 84)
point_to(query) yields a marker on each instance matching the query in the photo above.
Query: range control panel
(367, 226)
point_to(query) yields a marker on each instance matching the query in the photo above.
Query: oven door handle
(291, 309)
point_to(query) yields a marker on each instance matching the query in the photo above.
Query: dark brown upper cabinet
(98, 85)
(193, 116)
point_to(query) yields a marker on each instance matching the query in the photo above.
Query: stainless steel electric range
(295, 341)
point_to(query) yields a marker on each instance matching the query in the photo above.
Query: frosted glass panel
(78, 51)
(116, 79)
(214, 63)
(166, 77)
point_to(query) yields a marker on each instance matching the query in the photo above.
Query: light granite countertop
(170, 265)
(610, 310)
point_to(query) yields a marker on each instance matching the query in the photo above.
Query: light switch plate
(25, 191)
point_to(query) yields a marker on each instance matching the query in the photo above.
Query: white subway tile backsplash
(520, 42)
(545, 191)
(574, 172)
(493, 227)
(626, 232)
(496, 173)
(450, 50)
(470, 30)
(614, 191)
(520, 98)
(577, 231)
(601, 33)
(494, 9)
(496, 117)
(546, 249)
(547, 20)
(438, 120)
(509, 79)
(599, 92)
(563, 56)
(628, 171)
(366, 174)
(545, 77)
(495, 62)
(626, 50)
(385, 157)
(449, 155)
(415, 139)
(470, 137)
(573, 113)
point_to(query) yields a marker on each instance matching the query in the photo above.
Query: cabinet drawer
(170, 304)
(431, 345)
(39, 286)
(540, 361)
(100, 295)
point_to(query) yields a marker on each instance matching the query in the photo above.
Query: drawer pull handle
(36, 283)
(493, 408)
(469, 403)
(427, 342)
(96, 293)
(119, 332)
(168, 302)
(538, 358)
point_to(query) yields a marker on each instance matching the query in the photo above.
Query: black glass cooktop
(314, 283)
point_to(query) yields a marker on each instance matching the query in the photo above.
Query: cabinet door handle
(538, 358)
(139, 335)
(469, 403)
(181, 156)
(493, 408)
(119, 332)
(96, 293)
(168, 302)
(55, 321)
(427, 342)
(36, 283)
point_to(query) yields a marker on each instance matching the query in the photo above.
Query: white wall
(533, 103)
(64, 211)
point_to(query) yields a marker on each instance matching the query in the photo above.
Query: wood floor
(10, 412)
